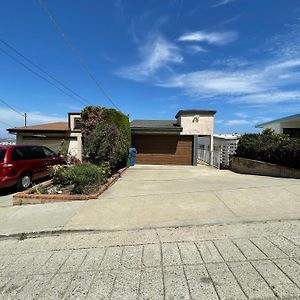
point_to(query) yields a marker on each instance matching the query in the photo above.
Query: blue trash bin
(133, 153)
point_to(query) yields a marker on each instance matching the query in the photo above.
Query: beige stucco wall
(75, 146)
(196, 124)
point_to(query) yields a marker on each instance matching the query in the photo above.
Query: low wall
(255, 167)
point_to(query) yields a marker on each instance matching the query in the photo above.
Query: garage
(163, 149)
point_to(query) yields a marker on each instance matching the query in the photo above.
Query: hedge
(106, 136)
(270, 147)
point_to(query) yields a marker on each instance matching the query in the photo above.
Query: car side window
(36, 152)
(49, 153)
(19, 154)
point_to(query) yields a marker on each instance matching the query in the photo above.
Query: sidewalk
(241, 261)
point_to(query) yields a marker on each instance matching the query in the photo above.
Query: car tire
(24, 182)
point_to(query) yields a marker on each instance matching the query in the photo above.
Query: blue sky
(154, 57)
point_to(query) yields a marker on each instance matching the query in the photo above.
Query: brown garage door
(163, 149)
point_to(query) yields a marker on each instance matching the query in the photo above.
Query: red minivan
(22, 164)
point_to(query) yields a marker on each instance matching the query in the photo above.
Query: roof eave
(16, 130)
(157, 129)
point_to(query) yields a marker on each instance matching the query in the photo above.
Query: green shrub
(270, 147)
(80, 179)
(85, 178)
(105, 136)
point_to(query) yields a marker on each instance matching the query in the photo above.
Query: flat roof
(196, 112)
(155, 125)
(49, 127)
(285, 119)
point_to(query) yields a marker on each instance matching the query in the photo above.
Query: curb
(35, 234)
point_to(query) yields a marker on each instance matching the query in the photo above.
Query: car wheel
(24, 182)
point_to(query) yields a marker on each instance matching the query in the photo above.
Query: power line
(75, 52)
(39, 75)
(45, 72)
(13, 109)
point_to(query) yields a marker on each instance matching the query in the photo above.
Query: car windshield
(2, 154)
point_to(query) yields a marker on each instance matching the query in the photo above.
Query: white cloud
(274, 79)
(193, 49)
(268, 97)
(237, 122)
(157, 54)
(211, 83)
(223, 2)
(241, 114)
(215, 38)
(12, 119)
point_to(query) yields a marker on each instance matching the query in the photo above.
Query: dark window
(292, 132)
(49, 153)
(77, 123)
(36, 152)
(19, 153)
(2, 154)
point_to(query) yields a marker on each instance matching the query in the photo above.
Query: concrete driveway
(158, 196)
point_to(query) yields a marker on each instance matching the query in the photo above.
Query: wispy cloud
(274, 79)
(215, 38)
(237, 122)
(223, 2)
(193, 49)
(268, 97)
(157, 54)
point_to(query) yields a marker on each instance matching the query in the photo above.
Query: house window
(292, 132)
(77, 124)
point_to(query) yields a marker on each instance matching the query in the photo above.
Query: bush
(106, 136)
(270, 147)
(80, 179)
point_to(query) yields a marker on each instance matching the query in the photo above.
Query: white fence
(204, 156)
(226, 149)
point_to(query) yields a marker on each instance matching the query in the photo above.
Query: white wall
(196, 124)
(275, 126)
(278, 126)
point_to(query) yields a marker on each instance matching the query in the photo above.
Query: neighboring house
(157, 142)
(51, 135)
(289, 125)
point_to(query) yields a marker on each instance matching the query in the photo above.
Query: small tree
(106, 136)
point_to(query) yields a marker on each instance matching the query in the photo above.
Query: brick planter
(255, 167)
(27, 198)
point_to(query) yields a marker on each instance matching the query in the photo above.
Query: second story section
(196, 122)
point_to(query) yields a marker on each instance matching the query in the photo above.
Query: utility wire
(75, 52)
(45, 72)
(39, 75)
(13, 109)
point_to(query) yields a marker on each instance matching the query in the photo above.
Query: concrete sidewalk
(241, 261)
(160, 196)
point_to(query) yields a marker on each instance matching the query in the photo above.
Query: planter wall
(255, 167)
(27, 197)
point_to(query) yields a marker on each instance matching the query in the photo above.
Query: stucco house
(157, 141)
(289, 125)
(51, 135)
